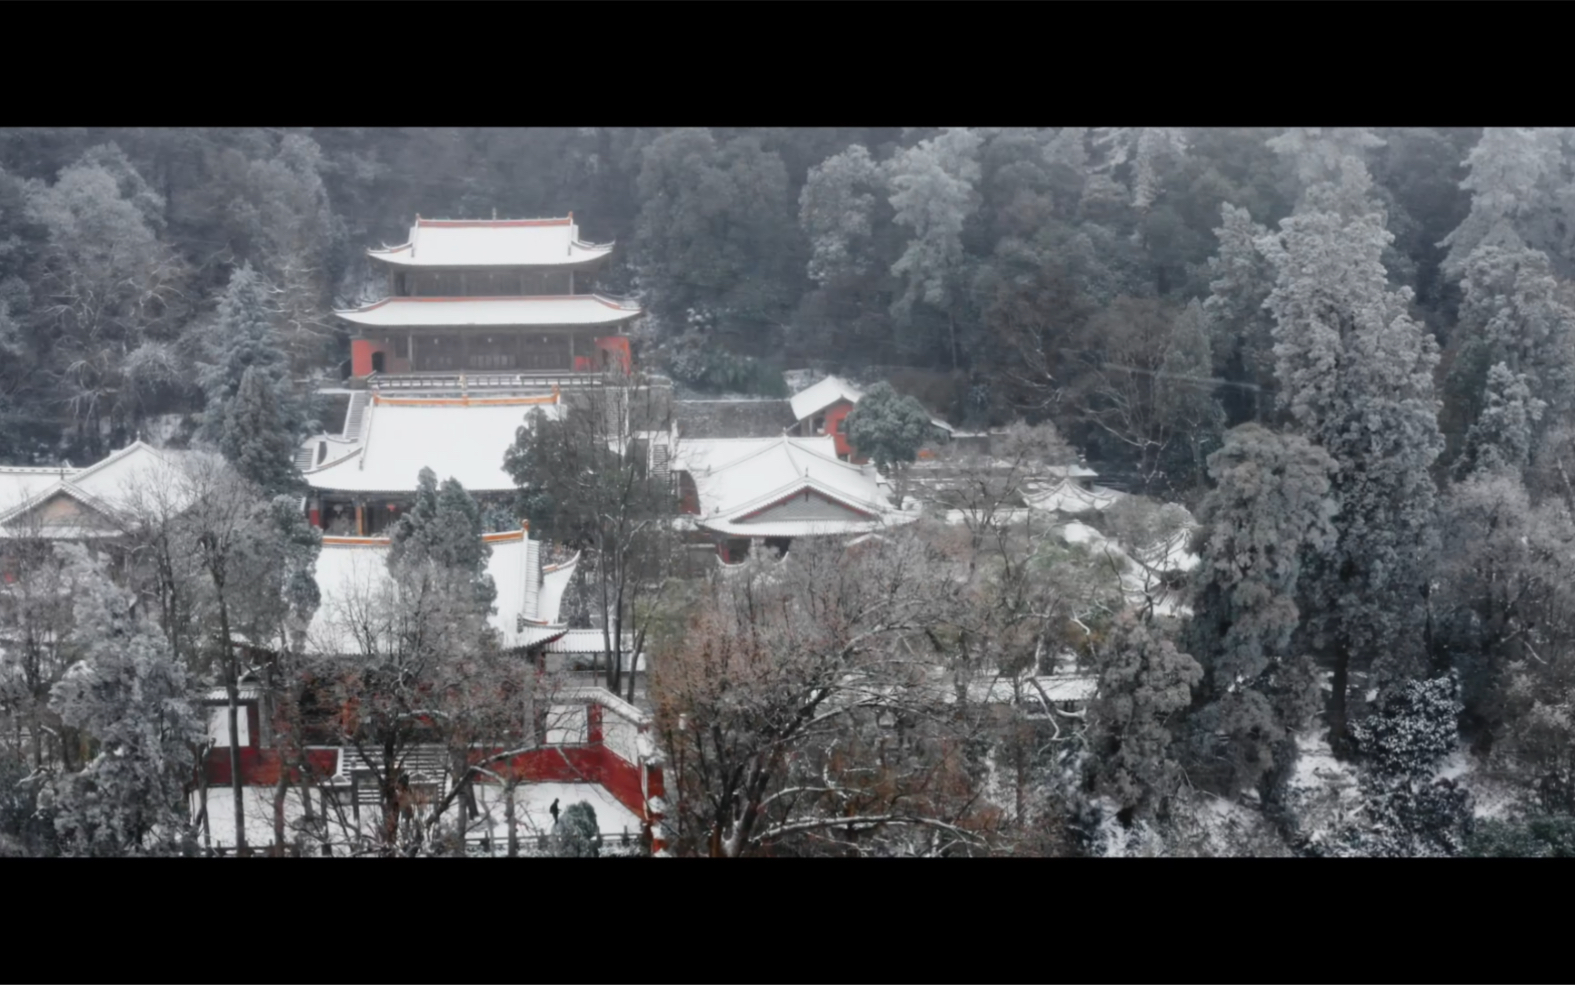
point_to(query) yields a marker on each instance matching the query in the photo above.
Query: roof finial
(494, 213)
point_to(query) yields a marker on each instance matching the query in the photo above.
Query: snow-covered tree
(837, 210)
(1144, 683)
(1516, 312)
(1330, 165)
(577, 832)
(245, 337)
(1501, 437)
(1146, 150)
(933, 190)
(1356, 374)
(130, 697)
(804, 709)
(888, 428)
(443, 528)
(1515, 176)
(1241, 329)
(1405, 812)
(108, 286)
(256, 439)
(1271, 509)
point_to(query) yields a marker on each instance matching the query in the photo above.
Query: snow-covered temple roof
(460, 438)
(565, 309)
(18, 485)
(493, 243)
(746, 487)
(350, 569)
(819, 396)
(105, 488)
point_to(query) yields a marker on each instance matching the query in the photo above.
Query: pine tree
(1501, 438)
(1356, 373)
(1513, 311)
(129, 695)
(1242, 331)
(443, 529)
(576, 834)
(1144, 681)
(255, 439)
(1516, 174)
(1270, 510)
(244, 337)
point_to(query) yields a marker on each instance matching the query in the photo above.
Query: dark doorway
(377, 362)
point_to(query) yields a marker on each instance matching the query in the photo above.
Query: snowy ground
(532, 815)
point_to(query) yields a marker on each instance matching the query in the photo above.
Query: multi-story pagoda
(511, 297)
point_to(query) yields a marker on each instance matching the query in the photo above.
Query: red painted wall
(361, 357)
(260, 767)
(834, 426)
(618, 348)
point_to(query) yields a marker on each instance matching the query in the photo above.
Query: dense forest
(991, 272)
(1349, 352)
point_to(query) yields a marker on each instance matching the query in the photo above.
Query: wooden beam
(360, 519)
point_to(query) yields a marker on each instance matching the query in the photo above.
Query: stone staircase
(356, 415)
(426, 766)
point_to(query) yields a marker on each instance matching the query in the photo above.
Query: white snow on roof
(554, 581)
(591, 640)
(351, 570)
(567, 309)
(105, 487)
(1069, 497)
(1142, 576)
(735, 477)
(400, 438)
(117, 479)
(493, 243)
(822, 395)
(18, 485)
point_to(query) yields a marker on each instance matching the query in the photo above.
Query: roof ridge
(791, 488)
(115, 456)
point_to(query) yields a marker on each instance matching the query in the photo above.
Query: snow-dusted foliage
(129, 698)
(1240, 328)
(1270, 511)
(1143, 682)
(1405, 811)
(933, 192)
(836, 209)
(577, 834)
(1356, 373)
(1516, 174)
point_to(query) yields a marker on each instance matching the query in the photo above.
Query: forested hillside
(1350, 353)
(992, 272)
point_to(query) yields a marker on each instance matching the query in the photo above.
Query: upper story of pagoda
(491, 295)
(492, 258)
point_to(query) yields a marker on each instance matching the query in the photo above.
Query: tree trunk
(280, 789)
(510, 817)
(232, 696)
(1338, 731)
